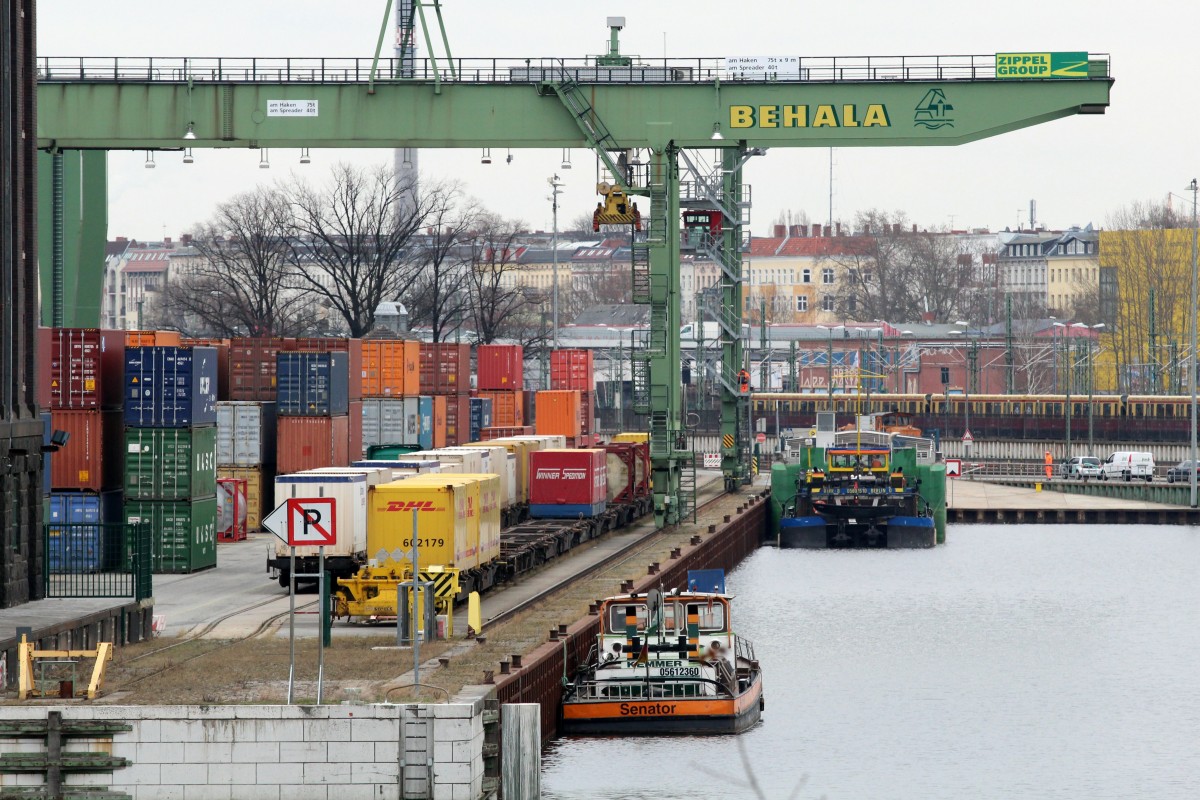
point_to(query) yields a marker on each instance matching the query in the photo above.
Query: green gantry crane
(614, 104)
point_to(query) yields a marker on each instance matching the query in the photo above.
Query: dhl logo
(410, 505)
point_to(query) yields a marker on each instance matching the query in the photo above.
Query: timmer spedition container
(447, 521)
(568, 483)
(170, 463)
(170, 387)
(183, 532)
(349, 491)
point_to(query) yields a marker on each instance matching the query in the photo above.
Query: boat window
(712, 617)
(617, 611)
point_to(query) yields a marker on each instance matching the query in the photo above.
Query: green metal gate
(98, 560)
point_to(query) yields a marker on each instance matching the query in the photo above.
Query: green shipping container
(170, 463)
(183, 533)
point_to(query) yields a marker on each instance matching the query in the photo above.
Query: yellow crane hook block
(615, 208)
(28, 658)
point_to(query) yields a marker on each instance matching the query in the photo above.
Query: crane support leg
(666, 426)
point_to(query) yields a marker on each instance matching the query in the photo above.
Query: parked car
(1128, 464)
(1082, 467)
(1182, 472)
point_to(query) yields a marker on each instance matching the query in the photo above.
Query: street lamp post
(555, 190)
(1192, 364)
(1091, 378)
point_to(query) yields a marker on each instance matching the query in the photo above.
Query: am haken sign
(292, 108)
(763, 66)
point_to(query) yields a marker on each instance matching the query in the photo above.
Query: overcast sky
(1079, 169)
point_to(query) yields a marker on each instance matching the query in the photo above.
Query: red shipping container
(628, 470)
(568, 477)
(80, 368)
(572, 369)
(335, 345)
(507, 408)
(439, 421)
(354, 433)
(503, 432)
(500, 366)
(222, 348)
(312, 442)
(587, 413)
(252, 368)
(458, 419)
(445, 368)
(92, 459)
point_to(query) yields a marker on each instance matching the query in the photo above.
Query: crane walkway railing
(810, 69)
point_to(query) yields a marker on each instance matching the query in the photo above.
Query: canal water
(1017, 661)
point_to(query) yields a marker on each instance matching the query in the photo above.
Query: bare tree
(350, 240)
(497, 301)
(240, 281)
(771, 305)
(892, 272)
(437, 295)
(597, 285)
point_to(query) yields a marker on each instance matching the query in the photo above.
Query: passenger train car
(1114, 418)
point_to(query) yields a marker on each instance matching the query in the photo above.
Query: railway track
(713, 490)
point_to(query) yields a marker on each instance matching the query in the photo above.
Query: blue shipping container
(481, 417)
(76, 549)
(312, 384)
(170, 387)
(571, 511)
(425, 415)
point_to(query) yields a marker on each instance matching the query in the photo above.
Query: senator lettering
(628, 710)
(847, 115)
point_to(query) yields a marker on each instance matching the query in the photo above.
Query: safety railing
(98, 560)
(649, 686)
(815, 69)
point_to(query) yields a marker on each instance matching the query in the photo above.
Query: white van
(1127, 465)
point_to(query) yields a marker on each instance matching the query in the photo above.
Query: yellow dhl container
(447, 522)
(521, 451)
(633, 438)
(253, 476)
(490, 503)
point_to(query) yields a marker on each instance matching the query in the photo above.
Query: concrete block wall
(279, 752)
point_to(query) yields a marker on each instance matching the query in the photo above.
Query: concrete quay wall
(724, 545)
(351, 752)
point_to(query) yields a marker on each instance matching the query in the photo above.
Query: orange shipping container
(391, 368)
(507, 410)
(558, 413)
(439, 421)
(151, 339)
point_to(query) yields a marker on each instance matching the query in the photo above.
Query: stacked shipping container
(319, 403)
(170, 451)
(575, 370)
(79, 381)
(246, 451)
(394, 414)
(445, 373)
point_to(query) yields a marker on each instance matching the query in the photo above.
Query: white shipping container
(387, 421)
(545, 442)
(245, 434)
(411, 466)
(349, 490)
(478, 458)
(502, 464)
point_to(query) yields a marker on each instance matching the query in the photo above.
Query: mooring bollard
(554, 634)
(504, 670)
(562, 630)
(489, 676)
(516, 661)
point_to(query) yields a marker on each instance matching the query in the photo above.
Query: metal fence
(98, 560)
(803, 69)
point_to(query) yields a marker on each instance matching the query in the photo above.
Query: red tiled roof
(799, 246)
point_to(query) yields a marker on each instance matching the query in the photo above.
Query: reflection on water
(1015, 662)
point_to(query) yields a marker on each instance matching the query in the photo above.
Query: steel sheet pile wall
(540, 679)
(170, 451)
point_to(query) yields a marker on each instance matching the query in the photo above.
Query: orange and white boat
(665, 663)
